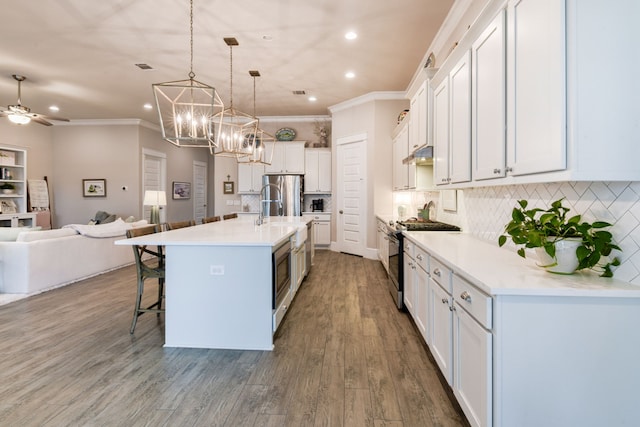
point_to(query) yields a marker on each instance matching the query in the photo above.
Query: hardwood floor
(344, 356)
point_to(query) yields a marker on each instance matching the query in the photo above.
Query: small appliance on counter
(317, 205)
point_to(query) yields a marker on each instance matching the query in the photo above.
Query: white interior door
(199, 191)
(352, 194)
(154, 167)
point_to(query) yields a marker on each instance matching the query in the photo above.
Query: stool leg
(136, 311)
(160, 294)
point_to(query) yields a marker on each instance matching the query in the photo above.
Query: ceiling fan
(21, 115)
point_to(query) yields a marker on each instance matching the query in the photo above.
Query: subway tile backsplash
(484, 212)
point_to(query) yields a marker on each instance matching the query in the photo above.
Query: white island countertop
(241, 231)
(500, 271)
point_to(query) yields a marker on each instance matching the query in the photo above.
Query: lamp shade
(155, 198)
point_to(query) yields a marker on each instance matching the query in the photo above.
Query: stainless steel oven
(281, 273)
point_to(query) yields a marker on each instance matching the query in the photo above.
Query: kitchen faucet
(260, 219)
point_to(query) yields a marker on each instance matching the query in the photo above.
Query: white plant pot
(565, 261)
(8, 191)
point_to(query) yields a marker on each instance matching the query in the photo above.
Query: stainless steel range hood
(420, 156)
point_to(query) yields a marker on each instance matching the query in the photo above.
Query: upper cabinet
(288, 158)
(452, 125)
(250, 178)
(488, 112)
(536, 87)
(539, 109)
(317, 177)
(400, 152)
(419, 117)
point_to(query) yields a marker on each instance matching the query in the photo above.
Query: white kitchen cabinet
(400, 152)
(408, 268)
(419, 117)
(472, 352)
(488, 113)
(288, 158)
(537, 91)
(441, 327)
(321, 229)
(421, 289)
(452, 125)
(317, 177)
(250, 178)
(298, 258)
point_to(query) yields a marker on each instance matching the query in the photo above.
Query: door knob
(341, 211)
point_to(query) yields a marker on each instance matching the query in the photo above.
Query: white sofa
(41, 260)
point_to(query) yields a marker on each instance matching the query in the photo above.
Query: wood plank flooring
(344, 356)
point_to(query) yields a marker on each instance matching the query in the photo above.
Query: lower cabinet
(441, 326)
(298, 257)
(321, 229)
(472, 367)
(383, 245)
(455, 320)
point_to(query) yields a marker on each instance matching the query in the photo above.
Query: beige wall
(94, 152)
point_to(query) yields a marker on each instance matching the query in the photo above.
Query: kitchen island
(219, 281)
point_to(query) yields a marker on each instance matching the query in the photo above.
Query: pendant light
(187, 108)
(238, 130)
(262, 145)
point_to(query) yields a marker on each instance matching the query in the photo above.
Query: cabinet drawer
(279, 312)
(421, 257)
(440, 273)
(409, 248)
(477, 304)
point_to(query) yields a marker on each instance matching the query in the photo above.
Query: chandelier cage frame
(188, 109)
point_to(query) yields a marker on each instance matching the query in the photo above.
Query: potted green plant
(7, 187)
(547, 230)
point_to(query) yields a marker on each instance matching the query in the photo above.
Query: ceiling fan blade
(40, 120)
(45, 117)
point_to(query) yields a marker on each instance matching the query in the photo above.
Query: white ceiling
(80, 54)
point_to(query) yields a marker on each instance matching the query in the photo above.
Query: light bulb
(19, 119)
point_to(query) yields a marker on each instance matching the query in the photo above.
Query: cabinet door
(421, 299)
(441, 132)
(400, 152)
(440, 328)
(489, 102)
(277, 159)
(460, 121)
(311, 172)
(322, 230)
(472, 369)
(249, 178)
(294, 158)
(409, 292)
(324, 171)
(536, 86)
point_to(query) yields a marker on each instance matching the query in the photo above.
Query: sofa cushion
(10, 234)
(44, 235)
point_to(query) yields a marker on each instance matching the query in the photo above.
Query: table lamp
(155, 199)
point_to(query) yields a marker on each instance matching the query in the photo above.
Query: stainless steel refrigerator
(282, 195)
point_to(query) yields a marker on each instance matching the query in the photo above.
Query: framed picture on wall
(94, 188)
(181, 190)
(227, 187)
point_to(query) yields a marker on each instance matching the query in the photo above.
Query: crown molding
(369, 97)
(294, 119)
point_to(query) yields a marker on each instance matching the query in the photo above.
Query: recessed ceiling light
(350, 74)
(148, 106)
(351, 35)
(54, 108)
(313, 99)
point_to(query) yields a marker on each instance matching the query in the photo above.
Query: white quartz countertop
(240, 231)
(500, 271)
